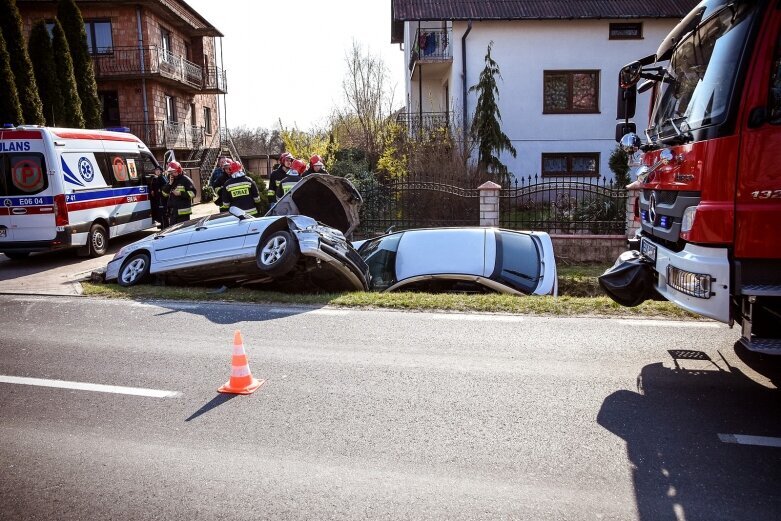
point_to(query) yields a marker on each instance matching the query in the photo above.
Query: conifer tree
(73, 24)
(10, 109)
(42, 56)
(486, 129)
(71, 103)
(26, 88)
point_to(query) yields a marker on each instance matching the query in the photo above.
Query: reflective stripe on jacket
(241, 191)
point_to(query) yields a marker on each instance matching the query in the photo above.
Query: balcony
(431, 46)
(419, 124)
(153, 62)
(168, 135)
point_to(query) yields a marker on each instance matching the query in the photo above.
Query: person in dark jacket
(218, 175)
(293, 176)
(180, 192)
(239, 190)
(315, 166)
(274, 191)
(155, 182)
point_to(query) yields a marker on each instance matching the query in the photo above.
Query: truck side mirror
(623, 129)
(627, 101)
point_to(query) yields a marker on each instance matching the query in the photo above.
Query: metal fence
(562, 206)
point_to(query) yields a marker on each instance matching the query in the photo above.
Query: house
(158, 73)
(559, 62)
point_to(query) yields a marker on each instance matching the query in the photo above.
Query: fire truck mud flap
(630, 281)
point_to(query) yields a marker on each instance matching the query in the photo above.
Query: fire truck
(710, 176)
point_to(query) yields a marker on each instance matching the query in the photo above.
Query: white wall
(523, 50)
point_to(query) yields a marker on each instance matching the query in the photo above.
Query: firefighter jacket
(310, 170)
(288, 182)
(180, 192)
(274, 190)
(239, 190)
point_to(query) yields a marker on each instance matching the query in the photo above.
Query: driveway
(59, 273)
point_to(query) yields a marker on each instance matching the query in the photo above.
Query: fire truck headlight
(687, 222)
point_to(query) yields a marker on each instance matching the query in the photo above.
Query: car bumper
(112, 268)
(337, 257)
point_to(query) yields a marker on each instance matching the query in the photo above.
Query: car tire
(277, 254)
(17, 255)
(134, 270)
(97, 240)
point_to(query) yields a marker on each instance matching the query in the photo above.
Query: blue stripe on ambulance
(69, 174)
(110, 192)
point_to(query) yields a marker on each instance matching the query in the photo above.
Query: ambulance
(71, 188)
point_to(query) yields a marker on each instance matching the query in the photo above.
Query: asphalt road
(375, 414)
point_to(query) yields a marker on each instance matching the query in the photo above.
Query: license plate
(2, 233)
(648, 249)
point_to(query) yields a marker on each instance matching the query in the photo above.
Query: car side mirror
(238, 212)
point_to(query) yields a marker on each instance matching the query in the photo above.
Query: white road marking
(476, 318)
(666, 323)
(82, 386)
(745, 439)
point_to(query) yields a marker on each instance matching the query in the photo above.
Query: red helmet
(299, 166)
(283, 156)
(174, 166)
(233, 167)
(315, 159)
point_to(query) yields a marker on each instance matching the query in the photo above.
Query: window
(188, 54)
(99, 38)
(22, 174)
(121, 169)
(626, 31)
(109, 103)
(193, 118)
(165, 41)
(572, 164)
(170, 109)
(207, 119)
(570, 92)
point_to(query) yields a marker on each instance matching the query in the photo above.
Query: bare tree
(369, 102)
(257, 140)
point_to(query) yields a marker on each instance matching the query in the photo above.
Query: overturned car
(301, 242)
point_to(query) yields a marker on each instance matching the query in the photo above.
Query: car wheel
(134, 270)
(17, 255)
(97, 240)
(277, 254)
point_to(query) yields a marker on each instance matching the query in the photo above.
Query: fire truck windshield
(699, 82)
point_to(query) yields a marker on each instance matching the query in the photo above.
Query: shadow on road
(226, 313)
(671, 425)
(213, 403)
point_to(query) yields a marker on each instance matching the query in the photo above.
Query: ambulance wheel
(277, 254)
(97, 240)
(17, 255)
(134, 270)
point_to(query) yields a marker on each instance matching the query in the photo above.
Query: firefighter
(156, 181)
(180, 193)
(274, 191)
(293, 176)
(315, 166)
(239, 190)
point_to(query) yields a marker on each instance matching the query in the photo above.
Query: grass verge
(558, 306)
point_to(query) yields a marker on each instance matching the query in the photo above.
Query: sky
(286, 59)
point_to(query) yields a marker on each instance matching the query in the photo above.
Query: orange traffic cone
(241, 381)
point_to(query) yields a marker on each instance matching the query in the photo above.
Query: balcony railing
(152, 61)
(418, 123)
(163, 134)
(431, 45)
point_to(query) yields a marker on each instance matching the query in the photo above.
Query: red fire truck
(710, 180)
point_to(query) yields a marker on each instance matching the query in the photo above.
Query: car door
(217, 238)
(170, 246)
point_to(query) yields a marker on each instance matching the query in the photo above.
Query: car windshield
(380, 255)
(520, 260)
(700, 77)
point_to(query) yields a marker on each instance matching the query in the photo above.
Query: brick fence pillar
(489, 203)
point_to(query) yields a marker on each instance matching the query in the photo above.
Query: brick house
(158, 73)
(559, 62)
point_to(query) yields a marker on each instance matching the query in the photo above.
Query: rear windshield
(23, 174)
(520, 261)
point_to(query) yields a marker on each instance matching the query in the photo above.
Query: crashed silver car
(464, 260)
(301, 242)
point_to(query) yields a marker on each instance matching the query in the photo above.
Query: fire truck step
(762, 290)
(770, 346)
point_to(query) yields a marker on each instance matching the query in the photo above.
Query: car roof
(470, 251)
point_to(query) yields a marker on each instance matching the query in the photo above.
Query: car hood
(332, 200)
